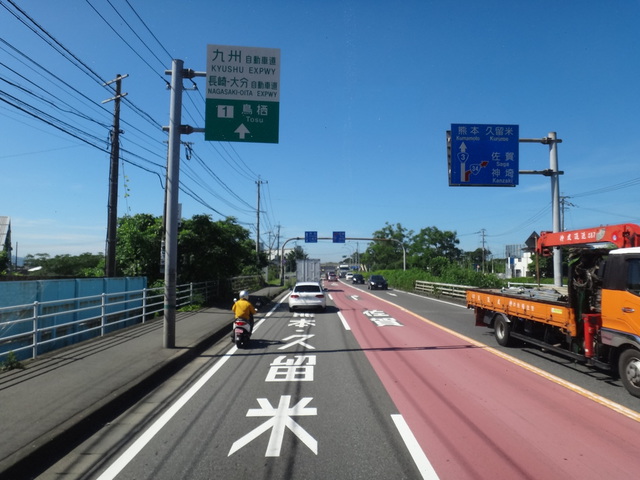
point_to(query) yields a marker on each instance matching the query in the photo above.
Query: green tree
(206, 249)
(387, 254)
(297, 253)
(83, 265)
(478, 258)
(431, 243)
(74, 265)
(4, 261)
(37, 260)
(139, 239)
(220, 249)
(544, 265)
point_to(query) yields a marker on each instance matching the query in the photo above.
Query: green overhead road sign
(243, 94)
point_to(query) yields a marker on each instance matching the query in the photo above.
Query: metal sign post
(552, 140)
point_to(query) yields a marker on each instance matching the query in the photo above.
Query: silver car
(307, 295)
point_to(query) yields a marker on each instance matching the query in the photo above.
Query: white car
(307, 295)
(348, 276)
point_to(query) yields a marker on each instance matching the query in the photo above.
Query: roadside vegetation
(433, 255)
(223, 249)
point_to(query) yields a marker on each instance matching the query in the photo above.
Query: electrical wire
(229, 155)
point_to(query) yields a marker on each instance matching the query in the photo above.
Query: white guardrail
(39, 327)
(456, 291)
(441, 289)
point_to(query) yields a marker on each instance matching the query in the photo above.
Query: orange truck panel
(621, 311)
(555, 314)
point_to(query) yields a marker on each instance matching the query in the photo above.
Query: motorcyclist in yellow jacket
(243, 308)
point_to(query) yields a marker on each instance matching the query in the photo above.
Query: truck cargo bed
(545, 305)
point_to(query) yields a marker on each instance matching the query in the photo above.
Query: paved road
(513, 420)
(373, 388)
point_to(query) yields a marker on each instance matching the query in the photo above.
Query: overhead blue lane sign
(311, 237)
(339, 237)
(483, 155)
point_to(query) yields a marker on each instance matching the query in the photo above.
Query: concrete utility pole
(483, 232)
(171, 221)
(258, 182)
(176, 129)
(112, 209)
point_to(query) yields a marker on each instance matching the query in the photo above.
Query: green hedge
(405, 279)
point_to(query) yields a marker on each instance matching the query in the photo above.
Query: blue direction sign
(311, 237)
(339, 237)
(484, 155)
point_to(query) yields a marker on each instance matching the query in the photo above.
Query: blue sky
(368, 90)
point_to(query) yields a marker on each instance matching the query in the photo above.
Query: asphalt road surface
(382, 385)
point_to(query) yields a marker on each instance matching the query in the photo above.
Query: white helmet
(244, 294)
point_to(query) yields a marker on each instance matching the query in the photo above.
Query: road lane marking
(345, 324)
(419, 458)
(137, 446)
(159, 424)
(627, 412)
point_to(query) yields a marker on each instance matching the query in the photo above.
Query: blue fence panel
(67, 311)
(90, 309)
(62, 293)
(16, 293)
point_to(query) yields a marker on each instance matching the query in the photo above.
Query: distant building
(518, 260)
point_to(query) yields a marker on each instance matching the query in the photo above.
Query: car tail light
(320, 296)
(295, 296)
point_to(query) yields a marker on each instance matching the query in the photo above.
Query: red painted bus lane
(477, 415)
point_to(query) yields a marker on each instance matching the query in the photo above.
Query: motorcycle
(241, 334)
(242, 329)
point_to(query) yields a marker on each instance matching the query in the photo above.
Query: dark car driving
(357, 278)
(377, 282)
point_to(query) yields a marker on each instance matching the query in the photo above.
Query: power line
(77, 131)
(125, 42)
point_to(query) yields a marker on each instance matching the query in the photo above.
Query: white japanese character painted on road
(302, 322)
(285, 369)
(300, 341)
(280, 421)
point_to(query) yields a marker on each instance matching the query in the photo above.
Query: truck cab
(620, 302)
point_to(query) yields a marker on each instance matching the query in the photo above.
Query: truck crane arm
(623, 235)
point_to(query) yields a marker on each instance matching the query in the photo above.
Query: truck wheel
(502, 331)
(629, 369)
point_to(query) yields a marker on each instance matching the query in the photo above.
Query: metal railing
(32, 329)
(436, 289)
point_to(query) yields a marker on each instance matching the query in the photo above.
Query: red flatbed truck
(594, 320)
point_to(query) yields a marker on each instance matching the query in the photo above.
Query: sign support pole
(555, 203)
(171, 219)
(552, 140)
